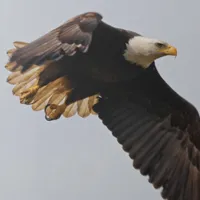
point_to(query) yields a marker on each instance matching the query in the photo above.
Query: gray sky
(78, 158)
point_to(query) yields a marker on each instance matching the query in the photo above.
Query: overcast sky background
(78, 158)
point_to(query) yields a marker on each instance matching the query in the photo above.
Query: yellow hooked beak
(169, 50)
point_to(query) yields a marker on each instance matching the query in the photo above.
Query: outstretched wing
(162, 141)
(55, 93)
(75, 35)
(165, 154)
(40, 79)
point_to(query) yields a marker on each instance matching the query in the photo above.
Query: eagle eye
(160, 45)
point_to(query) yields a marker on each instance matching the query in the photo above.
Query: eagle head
(143, 51)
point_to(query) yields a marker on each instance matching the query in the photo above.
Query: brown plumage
(80, 67)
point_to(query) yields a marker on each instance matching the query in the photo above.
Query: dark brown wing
(75, 35)
(55, 90)
(160, 131)
(39, 74)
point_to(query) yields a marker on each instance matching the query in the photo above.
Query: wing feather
(55, 92)
(70, 110)
(74, 35)
(157, 149)
(83, 108)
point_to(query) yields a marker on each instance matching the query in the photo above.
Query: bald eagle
(87, 66)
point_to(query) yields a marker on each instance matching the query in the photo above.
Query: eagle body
(87, 66)
(98, 68)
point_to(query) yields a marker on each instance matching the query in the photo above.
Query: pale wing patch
(55, 93)
(70, 110)
(45, 93)
(22, 86)
(82, 107)
(91, 102)
(17, 77)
